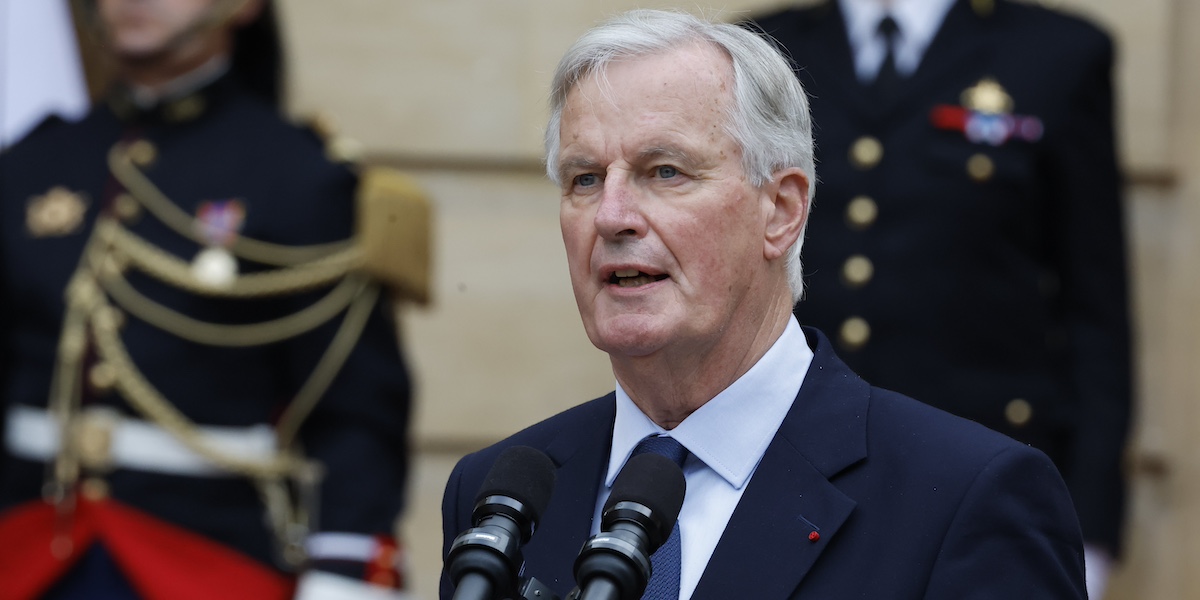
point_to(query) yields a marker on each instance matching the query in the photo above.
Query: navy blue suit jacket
(908, 502)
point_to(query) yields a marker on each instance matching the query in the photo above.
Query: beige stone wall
(467, 78)
(1164, 529)
(454, 91)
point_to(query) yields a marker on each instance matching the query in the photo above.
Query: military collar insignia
(56, 213)
(125, 104)
(184, 109)
(985, 116)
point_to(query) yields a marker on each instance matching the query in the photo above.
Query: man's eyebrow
(576, 164)
(660, 152)
(580, 164)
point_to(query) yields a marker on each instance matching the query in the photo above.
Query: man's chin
(632, 338)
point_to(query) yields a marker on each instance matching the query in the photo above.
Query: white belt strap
(34, 434)
(341, 546)
(318, 585)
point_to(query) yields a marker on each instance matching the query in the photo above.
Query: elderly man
(683, 150)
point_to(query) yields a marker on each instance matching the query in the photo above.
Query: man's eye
(665, 171)
(586, 180)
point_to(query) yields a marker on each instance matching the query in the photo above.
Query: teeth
(626, 273)
(634, 281)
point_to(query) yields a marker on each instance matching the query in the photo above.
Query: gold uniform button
(102, 376)
(1018, 412)
(984, 8)
(854, 333)
(114, 265)
(861, 212)
(109, 318)
(94, 489)
(127, 208)
(857, 271)
(866, 152)
(980, 167)
(142, 153)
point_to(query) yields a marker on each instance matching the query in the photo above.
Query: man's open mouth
(633, 278)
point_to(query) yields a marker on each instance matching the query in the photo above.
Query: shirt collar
(731, 432)
(918, 21)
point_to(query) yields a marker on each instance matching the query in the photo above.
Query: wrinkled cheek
(579, 271)
(578, 242)
(578, 266)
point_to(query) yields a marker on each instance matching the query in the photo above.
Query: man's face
(145, 29)
(663, 230)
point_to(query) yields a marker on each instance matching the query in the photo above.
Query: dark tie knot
(662, 445)
(888, 28)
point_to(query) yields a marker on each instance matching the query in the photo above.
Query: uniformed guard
(967, 244)
(203, 392)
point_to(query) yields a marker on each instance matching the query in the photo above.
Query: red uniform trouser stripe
(159, 559)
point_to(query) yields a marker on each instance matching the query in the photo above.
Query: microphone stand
(532, 589)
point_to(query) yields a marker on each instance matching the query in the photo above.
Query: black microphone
(637, 518)
(485, 559)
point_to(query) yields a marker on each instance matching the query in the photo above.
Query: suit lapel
(791, 510)
(581, 454)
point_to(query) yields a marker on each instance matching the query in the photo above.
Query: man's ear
(786, 206)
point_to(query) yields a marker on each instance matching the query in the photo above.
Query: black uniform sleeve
(1091, 254)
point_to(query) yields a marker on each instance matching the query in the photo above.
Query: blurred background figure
(203, 391)
(968, 233)
(40, 72)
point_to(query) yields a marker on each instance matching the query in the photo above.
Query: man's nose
(619, 213)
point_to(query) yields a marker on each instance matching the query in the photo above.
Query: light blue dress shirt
(918, 21)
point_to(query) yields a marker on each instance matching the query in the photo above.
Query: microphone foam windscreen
(522, 473)
(653, 481)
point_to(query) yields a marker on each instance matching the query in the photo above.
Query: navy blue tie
(664, 578)
(888, 82)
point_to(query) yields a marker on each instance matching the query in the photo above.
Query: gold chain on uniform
(174, 217)
(98, 292)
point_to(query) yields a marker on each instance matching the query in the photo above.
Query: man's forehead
(583, 156)
(691, 60)
(694, 76)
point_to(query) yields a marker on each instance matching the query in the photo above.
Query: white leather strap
(319, 585)
(34, 434)
(341, 546)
